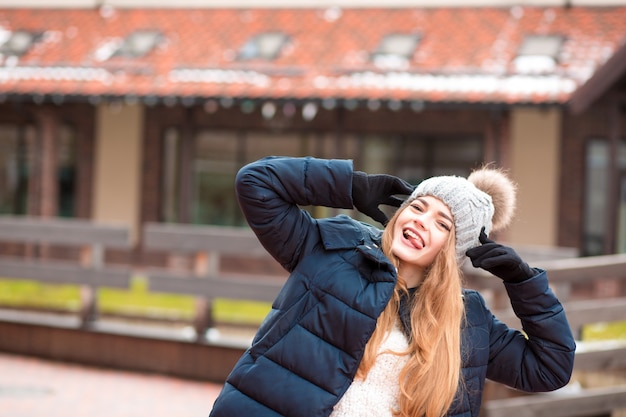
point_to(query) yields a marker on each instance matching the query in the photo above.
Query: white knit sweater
(377, 395)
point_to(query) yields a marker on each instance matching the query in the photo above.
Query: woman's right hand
(370, 191)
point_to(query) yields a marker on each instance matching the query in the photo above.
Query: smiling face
(420, 231)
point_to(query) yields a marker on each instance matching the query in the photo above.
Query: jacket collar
(343, 232)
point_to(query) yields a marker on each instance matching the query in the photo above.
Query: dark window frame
(11, 46)
(253, 48)
(130, 47)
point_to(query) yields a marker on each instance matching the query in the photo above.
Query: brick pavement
(31, 387)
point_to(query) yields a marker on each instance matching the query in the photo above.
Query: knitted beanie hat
(484, 199)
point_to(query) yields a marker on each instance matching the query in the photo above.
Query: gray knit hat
(484, 199)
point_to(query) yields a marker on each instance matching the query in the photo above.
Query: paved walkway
(31, 387)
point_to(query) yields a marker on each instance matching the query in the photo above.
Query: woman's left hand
(502, 261)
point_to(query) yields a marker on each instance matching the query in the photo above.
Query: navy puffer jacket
(309, 347)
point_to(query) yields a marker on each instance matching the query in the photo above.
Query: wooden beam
(579, 313)
(195, 238)
(234, 286)
(600, 82)
(74, 232)
(63, 273)
(588, 268)
(608, 357)
(48, 125)
(562, 271)
(583, 403)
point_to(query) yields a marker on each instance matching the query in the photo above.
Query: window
(421, 157)
(265, 46)
(66, 168)
(538, 53)
(543, 45)
(15, 165)
(398, 44)
(596, 190)
(214, 167)
(139, 43)
(415, 158)
(170, 177)
(217, 156)
(18, 153)
(19, 42)
(395, 50)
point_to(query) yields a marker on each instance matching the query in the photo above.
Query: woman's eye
(445, 226)
(417, 207)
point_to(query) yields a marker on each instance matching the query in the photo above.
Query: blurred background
(124, 122)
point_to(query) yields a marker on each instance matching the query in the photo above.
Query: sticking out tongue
(414, 239)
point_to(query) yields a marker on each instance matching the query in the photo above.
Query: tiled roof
(464, 54)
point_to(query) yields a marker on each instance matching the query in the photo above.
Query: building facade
(129, 115)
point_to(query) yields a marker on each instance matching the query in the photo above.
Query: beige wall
(118, 165)
(535, 143)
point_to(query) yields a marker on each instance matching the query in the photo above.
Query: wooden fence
(599, 380)
(207, 278)
(38, 235)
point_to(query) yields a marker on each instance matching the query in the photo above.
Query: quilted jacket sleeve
(540, 359)
(271, 190)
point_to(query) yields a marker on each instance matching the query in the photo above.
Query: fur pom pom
(502, 191)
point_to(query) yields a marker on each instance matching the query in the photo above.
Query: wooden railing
(606, 360)
(38, 235)
(601, 359)
(565, 276)
(206, 246)
(207, 277)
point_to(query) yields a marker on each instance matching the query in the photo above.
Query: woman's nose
(421, 222)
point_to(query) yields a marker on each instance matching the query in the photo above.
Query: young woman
(376, 323)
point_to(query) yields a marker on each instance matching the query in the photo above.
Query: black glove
(500, 260)
(370, 191)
